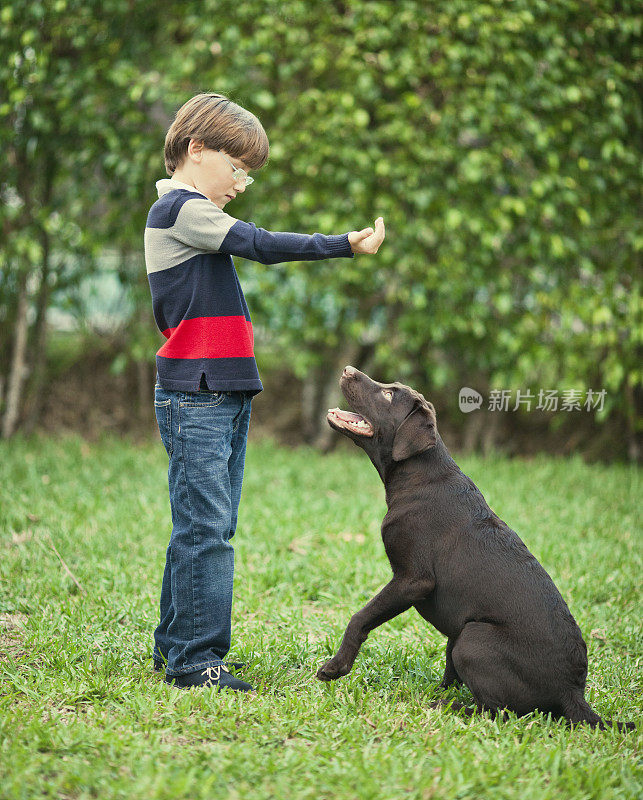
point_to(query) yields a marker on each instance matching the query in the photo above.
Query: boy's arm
(204, 226)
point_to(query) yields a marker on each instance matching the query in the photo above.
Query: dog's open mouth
(350, 421)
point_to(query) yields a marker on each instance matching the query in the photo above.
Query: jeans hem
(216, 662)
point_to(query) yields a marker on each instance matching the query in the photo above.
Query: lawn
(83, 532)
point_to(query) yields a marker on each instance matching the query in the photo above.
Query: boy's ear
(195, 149)
(416, 433)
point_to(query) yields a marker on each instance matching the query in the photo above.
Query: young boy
(206, 371)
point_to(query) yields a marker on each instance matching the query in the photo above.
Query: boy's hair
(221, 125)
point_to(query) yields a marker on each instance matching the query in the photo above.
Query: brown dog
(511, 637)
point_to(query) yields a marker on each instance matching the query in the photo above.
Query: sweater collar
(166, 185)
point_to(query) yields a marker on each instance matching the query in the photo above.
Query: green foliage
(500, 141)
(77, 137)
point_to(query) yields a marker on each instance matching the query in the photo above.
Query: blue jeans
(205, 435)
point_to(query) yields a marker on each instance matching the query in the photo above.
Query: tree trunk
(633, 447)
(18, 366)
(33, 400)
(491, 432)
(144, 387)
(473, 431)
(310, 404)
(38, 355)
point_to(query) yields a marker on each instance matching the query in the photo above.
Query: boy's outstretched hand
(367, 240)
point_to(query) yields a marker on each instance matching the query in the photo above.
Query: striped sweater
(198, 302)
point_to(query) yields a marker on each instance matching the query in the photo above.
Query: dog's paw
(333, 669)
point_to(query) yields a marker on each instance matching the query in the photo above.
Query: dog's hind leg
(450, 676)
(499, 674)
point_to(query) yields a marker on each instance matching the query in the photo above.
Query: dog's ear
(416, 433)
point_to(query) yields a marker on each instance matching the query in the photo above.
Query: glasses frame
(238, 175)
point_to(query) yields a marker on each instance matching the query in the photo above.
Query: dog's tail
(577, 709)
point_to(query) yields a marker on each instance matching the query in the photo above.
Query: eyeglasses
(239, 175)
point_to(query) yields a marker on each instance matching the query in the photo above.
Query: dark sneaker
(236, 666)
(218, 676)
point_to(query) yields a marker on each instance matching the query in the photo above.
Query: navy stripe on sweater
(190, 290)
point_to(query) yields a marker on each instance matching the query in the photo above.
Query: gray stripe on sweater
(201, 224)
(163, 251)
(200, 227)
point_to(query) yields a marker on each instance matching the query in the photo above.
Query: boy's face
(210, 172)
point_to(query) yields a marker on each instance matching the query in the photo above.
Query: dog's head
(389, 420)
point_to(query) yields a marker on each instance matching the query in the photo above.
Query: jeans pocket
(163, 410)
(205, 399)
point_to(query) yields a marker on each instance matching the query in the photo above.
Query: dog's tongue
(347, 416)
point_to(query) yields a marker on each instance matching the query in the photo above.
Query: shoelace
(217, 670)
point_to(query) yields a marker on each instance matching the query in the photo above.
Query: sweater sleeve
(201, 224)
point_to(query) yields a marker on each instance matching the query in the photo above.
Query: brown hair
(221, 125)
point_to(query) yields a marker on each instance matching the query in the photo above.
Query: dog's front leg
(397, 596)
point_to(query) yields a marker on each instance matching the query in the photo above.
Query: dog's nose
(349, 372)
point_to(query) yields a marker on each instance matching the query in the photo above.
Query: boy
(206, 371)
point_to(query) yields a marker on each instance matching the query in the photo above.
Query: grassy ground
(83, 715)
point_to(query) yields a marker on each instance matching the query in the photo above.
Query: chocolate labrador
(511, 638)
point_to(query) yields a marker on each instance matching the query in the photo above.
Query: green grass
(83, 715)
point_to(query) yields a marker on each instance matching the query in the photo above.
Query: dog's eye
(388, 394)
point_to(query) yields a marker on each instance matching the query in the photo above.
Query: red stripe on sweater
(209, 337)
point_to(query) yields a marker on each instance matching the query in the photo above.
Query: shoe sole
(211, 686)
